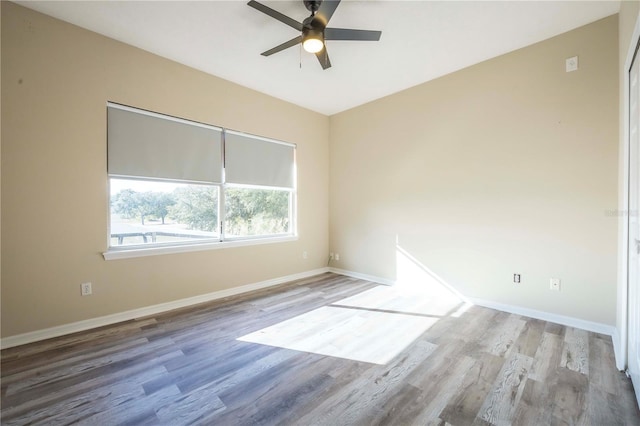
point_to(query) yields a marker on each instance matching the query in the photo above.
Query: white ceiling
(421, 40)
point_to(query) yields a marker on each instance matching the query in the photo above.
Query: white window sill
(127, 253)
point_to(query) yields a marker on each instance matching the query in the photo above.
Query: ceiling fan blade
(325, 12)
(349, 34)
(323, 57)
(276, 15)
(285, 45)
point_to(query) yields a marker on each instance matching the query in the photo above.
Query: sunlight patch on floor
(461, 310)
(403, 300)
(374, 325)
(355, 334)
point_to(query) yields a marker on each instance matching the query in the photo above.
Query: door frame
(621, 339)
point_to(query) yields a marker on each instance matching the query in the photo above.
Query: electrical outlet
(554, 284)
(516, 278)
(85, 289)
(337, 256)
(304, 254)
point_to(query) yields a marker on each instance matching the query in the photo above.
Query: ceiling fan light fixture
(313, 41)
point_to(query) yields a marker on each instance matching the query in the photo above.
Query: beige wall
(505, 167)
(56, 80)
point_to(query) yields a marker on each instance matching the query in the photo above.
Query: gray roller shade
(148, 145)
(254, 161)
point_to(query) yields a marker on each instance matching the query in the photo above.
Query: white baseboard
(596, 327)
(61, 330)
(360, 276)
(609, 330)
(48, 333)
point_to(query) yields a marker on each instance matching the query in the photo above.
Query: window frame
(222, 241)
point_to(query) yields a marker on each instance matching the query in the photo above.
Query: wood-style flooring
(327, 350)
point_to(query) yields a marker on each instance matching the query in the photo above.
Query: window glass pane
(151, 212)
(256, 212)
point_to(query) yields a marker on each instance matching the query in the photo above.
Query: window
(178, 183)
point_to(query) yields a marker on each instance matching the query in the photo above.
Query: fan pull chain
(300, 55)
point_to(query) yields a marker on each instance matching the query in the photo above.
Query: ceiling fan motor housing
(308, 32)
(312, 24)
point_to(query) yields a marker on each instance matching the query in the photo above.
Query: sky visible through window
(118, 185)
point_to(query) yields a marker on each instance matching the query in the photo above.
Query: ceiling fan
(314, 31)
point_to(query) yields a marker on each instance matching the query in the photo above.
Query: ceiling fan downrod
(312, 5)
